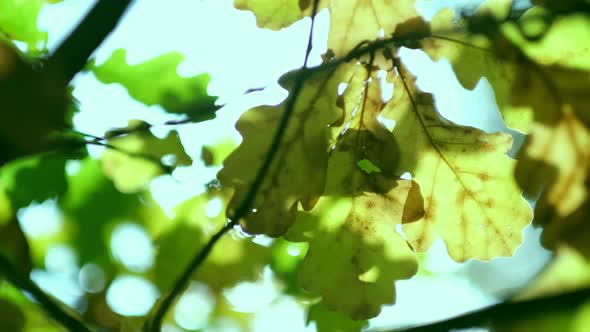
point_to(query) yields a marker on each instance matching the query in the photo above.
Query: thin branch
(165, 168)
(142, 127)
(73, 53)
(47, 303)
(507, 312)
(461, 42)
(99, 141)
(156, 322)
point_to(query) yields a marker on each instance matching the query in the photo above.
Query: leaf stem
(506, 312)
(54, 310)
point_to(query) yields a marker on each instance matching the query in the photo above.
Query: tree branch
(155, 323)
(72, 54)
(47, 303)
(507, 312)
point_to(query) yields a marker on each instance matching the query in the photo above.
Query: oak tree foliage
(347, 187)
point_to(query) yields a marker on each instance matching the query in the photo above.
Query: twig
(49, 305)
(507, 312)
(141, 127)
(165, 168)
(155, 323)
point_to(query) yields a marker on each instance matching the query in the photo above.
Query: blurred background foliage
(87, 227)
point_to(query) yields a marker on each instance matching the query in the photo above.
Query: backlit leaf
(354, 245)
(272, 14)
(351, 22)
(156, 82)
(297, 174)
(353, 242)
(471, 200)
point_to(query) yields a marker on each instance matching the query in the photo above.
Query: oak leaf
(353, 241)
(297, 174)
(351, 22)
(470, 197)
(156, 82)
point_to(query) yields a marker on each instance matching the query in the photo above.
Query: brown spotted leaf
(471, 199)
(353, 242)
(541, 77)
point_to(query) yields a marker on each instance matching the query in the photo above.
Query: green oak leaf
(138, 158)
(18, 21)
(297, 175)
(353, 242)
(156, 82)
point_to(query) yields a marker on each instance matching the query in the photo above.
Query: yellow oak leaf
(272, 14)
(471, 199)
(351, 22)
(353, 242)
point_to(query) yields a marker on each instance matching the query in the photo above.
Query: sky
(224, 42)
